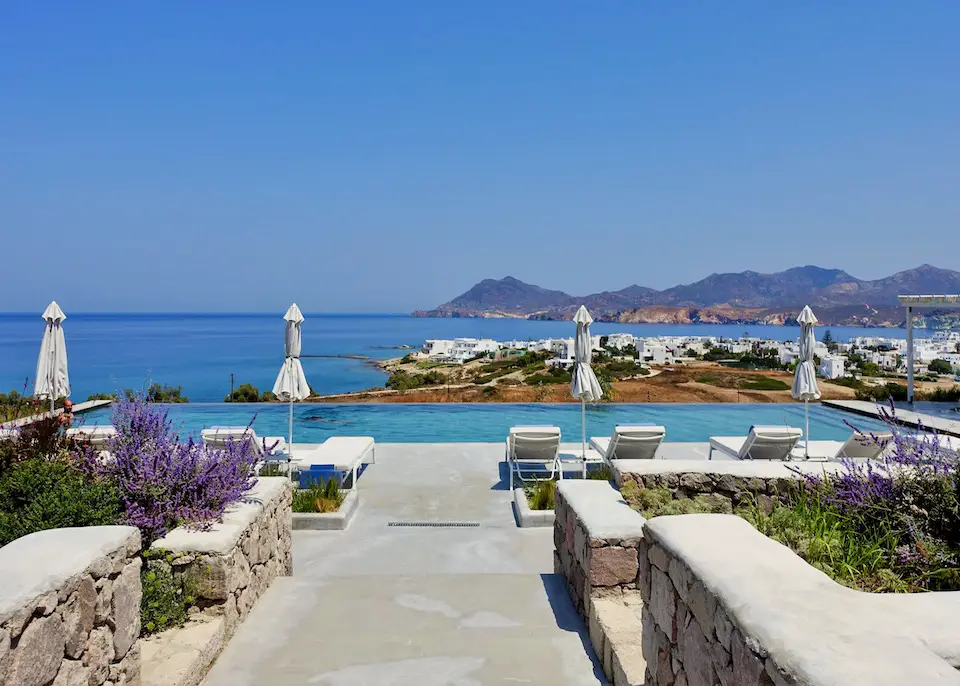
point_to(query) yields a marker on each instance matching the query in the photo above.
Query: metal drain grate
(434, 525)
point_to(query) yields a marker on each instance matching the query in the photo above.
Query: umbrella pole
(53, 384)
(290, 444)
(806, 417)
(583, 435)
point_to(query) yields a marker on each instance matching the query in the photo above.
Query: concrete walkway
(419, 606)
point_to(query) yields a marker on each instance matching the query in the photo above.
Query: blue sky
(384, 156)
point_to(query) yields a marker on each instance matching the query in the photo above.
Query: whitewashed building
(621, 340)
(831, 366)
(652, 351)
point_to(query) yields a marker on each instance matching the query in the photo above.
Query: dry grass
(678, 386)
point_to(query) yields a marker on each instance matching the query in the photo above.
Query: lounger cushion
(345, 452)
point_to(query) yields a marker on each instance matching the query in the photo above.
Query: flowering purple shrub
(906, 507)
(166, 483)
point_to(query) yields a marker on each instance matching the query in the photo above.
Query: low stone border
(228, 566)
(329, 521)
(528, 517)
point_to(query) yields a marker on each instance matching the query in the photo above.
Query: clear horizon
(383, 158)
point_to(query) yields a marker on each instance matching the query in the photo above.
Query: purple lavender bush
(888, 525)
(166, 483)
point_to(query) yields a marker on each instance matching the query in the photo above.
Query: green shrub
(600, 473)
(951, 395)
(654, 502)
(38, 494)
(404, 381)
(248, 393)
(939, 366)
(541, 495)
(555, 376)
(325, 497)
(157, 393)
(854, 556)
(166, 598)
(102, 396)
(882, 393)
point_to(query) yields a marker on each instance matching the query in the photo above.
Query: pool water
(489, 423)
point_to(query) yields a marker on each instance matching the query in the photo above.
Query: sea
(201, 352)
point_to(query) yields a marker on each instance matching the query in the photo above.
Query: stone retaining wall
(595, 536)
(724, 604)
(70, 608)
(720, 603)
(733, 482)
(227, 568)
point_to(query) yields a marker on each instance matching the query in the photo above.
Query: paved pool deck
(418, 606)
(905, 416)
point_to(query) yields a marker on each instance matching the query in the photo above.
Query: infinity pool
(488, 423)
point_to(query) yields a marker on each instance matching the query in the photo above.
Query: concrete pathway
(417, 606)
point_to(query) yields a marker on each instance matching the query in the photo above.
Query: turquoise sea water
(200, 351)
(489, 423)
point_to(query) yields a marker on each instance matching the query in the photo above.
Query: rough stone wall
(734, 490)
(688, 638)
(85, 630)
(229, 579)
(592, 566)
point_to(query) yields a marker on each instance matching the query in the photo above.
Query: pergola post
(930, 302)
(909, 354)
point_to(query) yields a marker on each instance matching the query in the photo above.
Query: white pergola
(929, 302)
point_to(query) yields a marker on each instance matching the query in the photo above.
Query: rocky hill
(744, 298)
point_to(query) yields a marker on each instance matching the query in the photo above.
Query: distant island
(838, 299)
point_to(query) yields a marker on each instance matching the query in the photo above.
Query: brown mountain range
(743, 298)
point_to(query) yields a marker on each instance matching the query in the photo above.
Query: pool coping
(329, 521)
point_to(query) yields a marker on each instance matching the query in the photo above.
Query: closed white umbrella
(584, 384)
(53, 380)
(291, 383)
(805, 376)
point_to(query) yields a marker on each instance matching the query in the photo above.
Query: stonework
(594, 565)
(50, 630)
(729, 490)
(227, 568)
(716, 602)
(600, 563)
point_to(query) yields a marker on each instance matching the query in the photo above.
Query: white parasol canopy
(53, 380)
(584, 384)
(805, 376)
(291, 383)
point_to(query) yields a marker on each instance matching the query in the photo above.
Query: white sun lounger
(96, 437)
(344, 453)
(535, 450)
(220, 436)
(857, 446)
(630, 443)
(762, 443)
